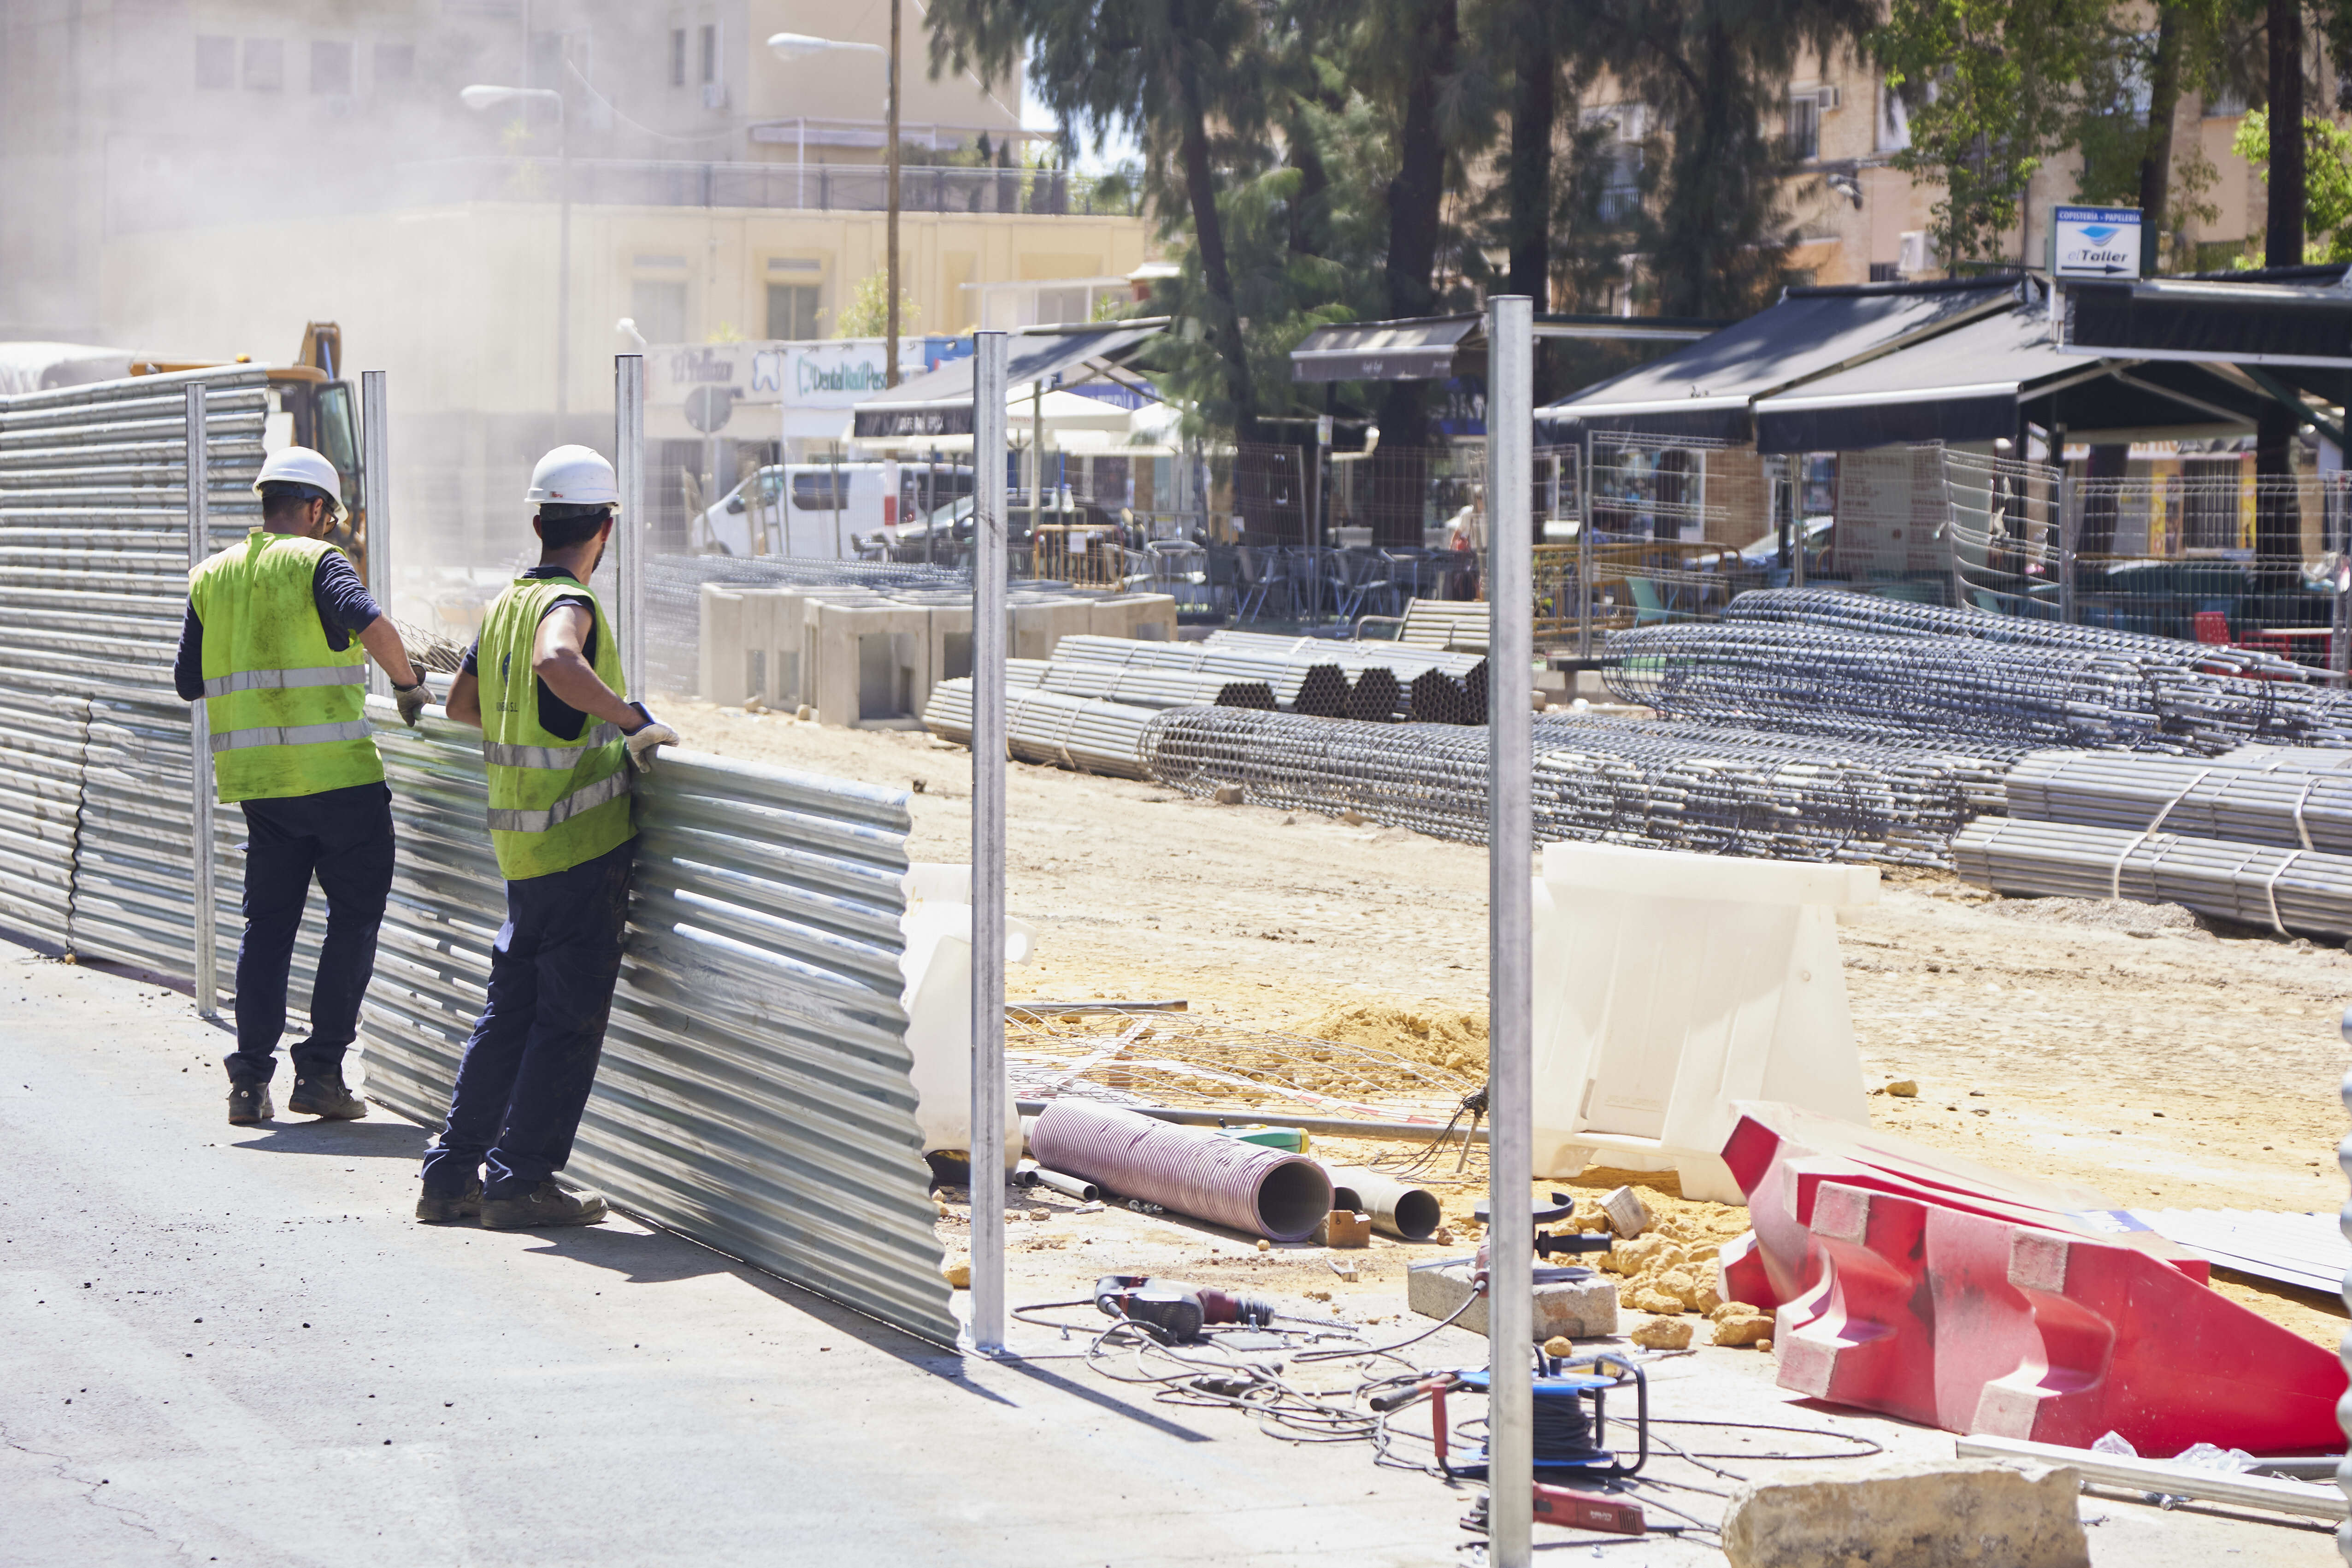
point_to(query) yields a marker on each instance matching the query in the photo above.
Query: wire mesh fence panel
(2229, 560)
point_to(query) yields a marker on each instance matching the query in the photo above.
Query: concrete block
(1581, 1306)
(864, 662)
(1344, 1228)
(719, 675)
(1041, 624)
(1965, 1514)
(1140, 617)
(947, 655)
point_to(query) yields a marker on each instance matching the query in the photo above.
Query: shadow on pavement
(369, 1139)
(639, 1257)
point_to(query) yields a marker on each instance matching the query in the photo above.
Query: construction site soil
(2139, 1048)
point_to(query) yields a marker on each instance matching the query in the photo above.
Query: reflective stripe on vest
(584, 799)
(291, 735)
(288, 710)
(287, 680)
(561, 759)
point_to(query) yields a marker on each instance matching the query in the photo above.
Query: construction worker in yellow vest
(272, 644)
(559, 736)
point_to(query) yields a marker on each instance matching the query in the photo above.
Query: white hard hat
(302, 465)
(573, 476)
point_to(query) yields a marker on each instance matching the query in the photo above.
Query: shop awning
(1427, 348)
(1984, 379)
(1707, 389)
(938, 401)
(2304, 322)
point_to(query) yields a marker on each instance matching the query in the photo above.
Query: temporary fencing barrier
(754, 1090)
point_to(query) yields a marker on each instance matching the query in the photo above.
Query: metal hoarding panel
(754, 1090)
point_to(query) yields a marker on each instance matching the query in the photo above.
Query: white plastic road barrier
(938, 967)
(1669, 986)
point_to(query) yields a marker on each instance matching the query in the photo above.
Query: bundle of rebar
(1138, 688)
(1087, 735)
(1663, 786)
(1812, 678)
(1322, 672)
(2289, 808)
(2280, 889)
(1897, 617)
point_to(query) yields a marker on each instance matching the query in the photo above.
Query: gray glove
(650, 734)
(413, 701)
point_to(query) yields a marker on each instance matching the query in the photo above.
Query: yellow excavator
(324, 409)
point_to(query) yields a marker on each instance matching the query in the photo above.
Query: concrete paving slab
(234, 1345)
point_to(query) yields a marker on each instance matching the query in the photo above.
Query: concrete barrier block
(1583, 1306)
(947, 655)
(865, 663)
(719, 677)
(1965, 1514)
(1040, 624)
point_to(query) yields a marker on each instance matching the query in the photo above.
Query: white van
(816, 510)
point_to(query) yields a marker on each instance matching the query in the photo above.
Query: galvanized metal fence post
(1583, 545)
(630, 538)
(2070, 526)
(989, 562)
(375, 488)
(204, 966)
(1511, 1238)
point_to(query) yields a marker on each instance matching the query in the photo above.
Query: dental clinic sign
(2094, 242)
(831, 374)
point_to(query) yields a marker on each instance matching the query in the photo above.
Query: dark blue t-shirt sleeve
(188, 664)
(345, 606)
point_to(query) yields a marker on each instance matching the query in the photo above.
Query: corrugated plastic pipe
(1397, 1207)
(1267, 1192)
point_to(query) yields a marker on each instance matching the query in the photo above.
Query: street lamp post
(481, 97)
(800, 45)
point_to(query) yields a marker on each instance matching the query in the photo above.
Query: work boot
(323, 1094)
(545, 1207)
(433, 1209)
(249, 1103)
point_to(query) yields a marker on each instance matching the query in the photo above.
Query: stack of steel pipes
(1897, 618)
(1289, 664)
(1142, 688)
(1085, 733)
(1664, 786)
(1803, 678)
(2286, 890)
(2292, 809)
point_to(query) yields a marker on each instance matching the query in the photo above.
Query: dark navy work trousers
(343, 837)
(528, 1069)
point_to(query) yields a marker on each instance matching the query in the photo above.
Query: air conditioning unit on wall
(1826, 96)
(1916, 254)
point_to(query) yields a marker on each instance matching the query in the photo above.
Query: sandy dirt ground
(2128, 1047)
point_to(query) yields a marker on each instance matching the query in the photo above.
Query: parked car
(947, 529)
(818, 511)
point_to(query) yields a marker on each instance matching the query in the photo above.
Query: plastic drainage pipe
(1086, 1192)
(1266, 1191)
(1397, 1207)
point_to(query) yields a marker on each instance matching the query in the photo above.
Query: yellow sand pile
(1454, 1041)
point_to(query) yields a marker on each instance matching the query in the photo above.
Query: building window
(265, 63)
(1885, 272)
(1804, 127)
(677, 57)
(330, 68)
(395, 65)
(709, 53)
(1893, 121)
(792, 311)
(658, 306)
(215, 64)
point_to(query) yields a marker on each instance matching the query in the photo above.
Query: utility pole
(890, 349)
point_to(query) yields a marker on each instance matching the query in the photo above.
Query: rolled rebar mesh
(1899, 617)
(1813, 679)
(1247, 1186)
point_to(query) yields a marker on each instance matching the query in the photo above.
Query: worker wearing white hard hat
(275, 644)
(559, 738)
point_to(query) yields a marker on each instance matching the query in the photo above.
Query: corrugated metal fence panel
(40, 809)
(93, 582)
(754, 1090)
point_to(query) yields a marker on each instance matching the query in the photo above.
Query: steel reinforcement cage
(754, 1092)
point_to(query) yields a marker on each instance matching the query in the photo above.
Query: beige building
(201, 180)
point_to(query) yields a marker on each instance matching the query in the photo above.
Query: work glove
(411, 701)
(642, 740)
